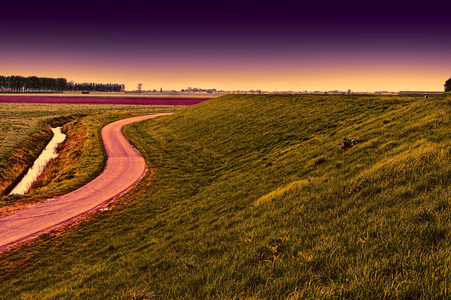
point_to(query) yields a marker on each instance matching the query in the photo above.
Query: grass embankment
(26, 128)
(252, 197)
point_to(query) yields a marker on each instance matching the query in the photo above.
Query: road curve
(125, 167)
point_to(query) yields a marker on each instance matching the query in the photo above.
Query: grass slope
(252, 197)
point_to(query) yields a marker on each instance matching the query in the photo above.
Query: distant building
(385, 93)
(419, 93)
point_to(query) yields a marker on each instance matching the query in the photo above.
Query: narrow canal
(38, 167)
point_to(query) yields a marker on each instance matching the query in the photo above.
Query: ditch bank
(13, 169)
(49, 153)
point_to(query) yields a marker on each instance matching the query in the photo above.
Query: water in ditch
(48, 154)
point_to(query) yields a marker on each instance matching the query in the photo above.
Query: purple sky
(283, 45)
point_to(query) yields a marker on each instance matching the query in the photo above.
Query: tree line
(19, 84)
(95, 87)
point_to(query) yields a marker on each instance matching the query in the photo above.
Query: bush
(349, 142)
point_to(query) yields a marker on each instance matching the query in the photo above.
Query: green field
(253, 197)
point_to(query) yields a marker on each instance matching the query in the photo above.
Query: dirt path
(125, 167)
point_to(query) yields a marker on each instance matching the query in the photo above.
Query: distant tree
(448, 85)
(140, 86)
(70, 86)
(32, 84)
(2, 83)
(61, 84)
(16, 83)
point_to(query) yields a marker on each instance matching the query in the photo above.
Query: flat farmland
(18, 119)
(123, 100)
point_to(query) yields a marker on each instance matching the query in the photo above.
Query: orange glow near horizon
(266, 73)
(233, 46)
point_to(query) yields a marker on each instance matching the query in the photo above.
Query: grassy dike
(252, 197)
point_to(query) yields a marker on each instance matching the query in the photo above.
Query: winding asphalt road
(125, 167)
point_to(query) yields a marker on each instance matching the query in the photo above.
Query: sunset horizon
(230, 46)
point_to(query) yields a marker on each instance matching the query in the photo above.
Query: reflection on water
(40, 163)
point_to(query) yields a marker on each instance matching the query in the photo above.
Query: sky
(231, 45)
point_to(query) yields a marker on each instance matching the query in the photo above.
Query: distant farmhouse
(419, 93)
